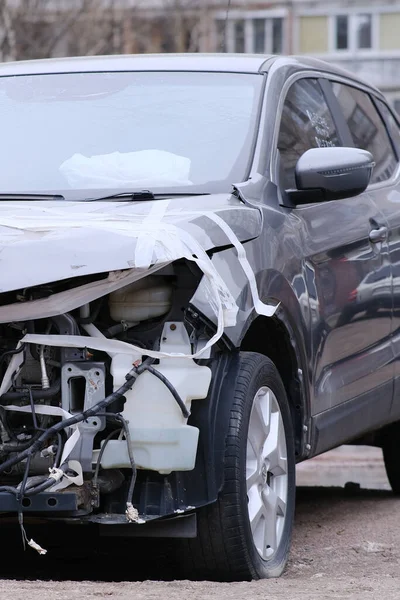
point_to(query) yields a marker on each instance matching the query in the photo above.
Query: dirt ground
(346, 545)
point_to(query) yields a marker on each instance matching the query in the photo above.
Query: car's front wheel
(246, 533)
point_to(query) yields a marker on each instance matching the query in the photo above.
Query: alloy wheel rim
(266, 473)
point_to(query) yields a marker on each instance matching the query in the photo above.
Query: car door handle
(378, 235)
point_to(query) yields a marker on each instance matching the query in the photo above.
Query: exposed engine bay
(114, 358)
(77, 422)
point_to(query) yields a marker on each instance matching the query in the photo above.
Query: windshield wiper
(46, 197)
(143, 195)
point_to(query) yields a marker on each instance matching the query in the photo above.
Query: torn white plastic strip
(147, 240)
(54, 411)
(13, 367)
(261, 308)
(68, 480)
(226, 306)
(160, 242)
(71, 299)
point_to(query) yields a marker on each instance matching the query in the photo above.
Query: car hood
(43, 242)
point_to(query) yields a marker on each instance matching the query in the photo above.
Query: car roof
(220, 62)
(240, 63)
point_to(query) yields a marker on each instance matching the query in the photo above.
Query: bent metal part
(160, 442)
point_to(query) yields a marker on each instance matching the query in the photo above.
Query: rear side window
(393, 127)
(306, 123)
(367, 129)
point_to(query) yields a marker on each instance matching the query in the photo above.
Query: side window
(367, 129)
(393, 127)
(306, 123)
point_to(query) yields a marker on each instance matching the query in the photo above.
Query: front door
(352, 355)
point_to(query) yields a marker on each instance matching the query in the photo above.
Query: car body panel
(35, 229)
(302, 266)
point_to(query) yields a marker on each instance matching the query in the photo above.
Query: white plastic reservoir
(147, 298)
(161, 439)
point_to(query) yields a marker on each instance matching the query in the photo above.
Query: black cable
(35, 488)
(32, 403)
(171, 388)
(59, 450)
(128, 439)
(41, 487)
(24, 480)
(93, 411)
(9, 489)
(90, 412)
(12, 352)
(98, 463)
(131, 458)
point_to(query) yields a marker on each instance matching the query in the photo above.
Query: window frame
(339, 131)
(352, 32)
(392, 111)
(372, 95)
(325, 79)
(248, 17)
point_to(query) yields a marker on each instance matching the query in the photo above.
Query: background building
(360, 35)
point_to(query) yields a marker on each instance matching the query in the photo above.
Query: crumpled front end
(99, 372)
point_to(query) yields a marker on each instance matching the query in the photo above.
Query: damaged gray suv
(198, 290)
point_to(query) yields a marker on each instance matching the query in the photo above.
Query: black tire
(391, 455)
(224, 548)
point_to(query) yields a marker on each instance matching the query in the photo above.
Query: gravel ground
(346, 545)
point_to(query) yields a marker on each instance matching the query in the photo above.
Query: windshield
(79, 134)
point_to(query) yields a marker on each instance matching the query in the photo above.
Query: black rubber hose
(19, 446)
(33, 489)
(171, 388)
(41, 487)
(9, 490)
(36, 394)
(11, 352)
(90, 412)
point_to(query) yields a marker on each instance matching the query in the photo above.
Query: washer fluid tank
(147, 298)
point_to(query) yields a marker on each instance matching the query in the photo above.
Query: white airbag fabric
(143, 168)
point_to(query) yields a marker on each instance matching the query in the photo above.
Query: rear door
(352, 358)
(374, 128)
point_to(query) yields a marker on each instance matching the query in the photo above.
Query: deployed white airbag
(130, 169)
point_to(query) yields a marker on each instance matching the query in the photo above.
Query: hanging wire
(228, 8)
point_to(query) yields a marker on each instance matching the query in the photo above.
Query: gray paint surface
(308, 259)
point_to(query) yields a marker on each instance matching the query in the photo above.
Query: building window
(258, 35)
(353, 32)
(239, 38)
(363, 26)
(220, 40)
(277, 36)
(342, 32)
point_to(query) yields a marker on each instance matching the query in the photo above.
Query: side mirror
(324, 174)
